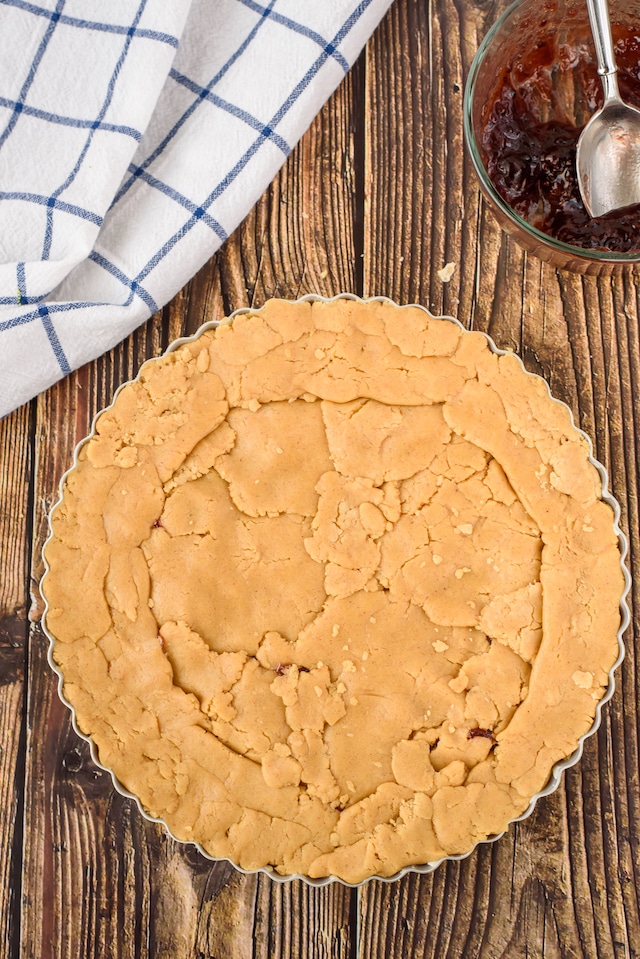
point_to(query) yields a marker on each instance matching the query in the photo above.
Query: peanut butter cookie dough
(332, 588)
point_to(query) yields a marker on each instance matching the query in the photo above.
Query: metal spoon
(608, 159)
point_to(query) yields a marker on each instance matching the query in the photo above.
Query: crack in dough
(332, 589)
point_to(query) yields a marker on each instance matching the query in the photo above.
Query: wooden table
(376, 199)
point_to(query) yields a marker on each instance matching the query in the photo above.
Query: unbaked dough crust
(332, 588)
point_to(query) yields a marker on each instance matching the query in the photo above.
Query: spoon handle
(601, 30)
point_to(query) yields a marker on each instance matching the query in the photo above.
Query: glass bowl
(527, 25)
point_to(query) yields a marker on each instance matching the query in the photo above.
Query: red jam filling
(530, 137)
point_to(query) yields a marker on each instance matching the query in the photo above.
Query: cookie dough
(332, 588)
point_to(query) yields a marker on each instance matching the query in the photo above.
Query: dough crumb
(584, 680)
(446, 273)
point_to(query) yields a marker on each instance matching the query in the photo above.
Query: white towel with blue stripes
(135, 135)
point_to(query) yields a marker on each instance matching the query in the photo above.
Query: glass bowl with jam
(532, 88)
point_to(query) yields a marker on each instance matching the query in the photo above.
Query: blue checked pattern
(132, 145)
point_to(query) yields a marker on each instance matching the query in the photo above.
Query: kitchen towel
(135, 135)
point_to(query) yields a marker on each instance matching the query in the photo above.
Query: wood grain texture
(15, 507)
(564, 882)
(376, 198)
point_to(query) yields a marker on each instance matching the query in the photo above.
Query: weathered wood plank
(564, 882)
(15, 492)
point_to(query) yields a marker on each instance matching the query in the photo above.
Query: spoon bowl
(608, 159)
(608, 154)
